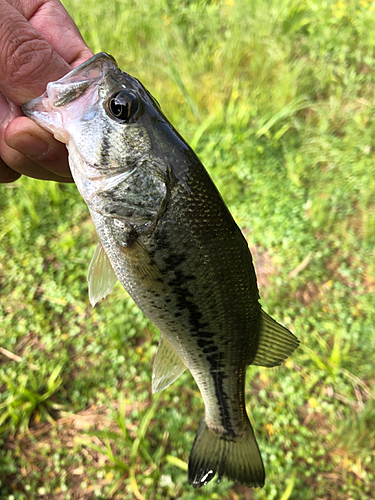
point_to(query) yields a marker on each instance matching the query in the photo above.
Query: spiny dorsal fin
(168, 366)
(100, 276)
(276, 343)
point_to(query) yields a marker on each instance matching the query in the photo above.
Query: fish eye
(122, 105)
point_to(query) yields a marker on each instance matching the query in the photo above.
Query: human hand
(39, 43)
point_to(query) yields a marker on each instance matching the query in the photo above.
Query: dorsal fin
(100, 276)
(168, 366)
(276, 343)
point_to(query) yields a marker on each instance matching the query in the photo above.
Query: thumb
(47, 158)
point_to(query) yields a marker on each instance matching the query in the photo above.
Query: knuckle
(28, 59)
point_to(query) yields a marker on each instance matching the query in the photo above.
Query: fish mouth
(74, 83)
(45, 109)
(101, 59)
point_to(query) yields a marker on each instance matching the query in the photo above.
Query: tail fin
(236, 457)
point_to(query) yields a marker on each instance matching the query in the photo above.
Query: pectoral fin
(168, 366)
(276, 343)
(100, 276)
(143, 266)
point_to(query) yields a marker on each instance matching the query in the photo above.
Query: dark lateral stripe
(198, 327)
(104, 149)
(221, 396)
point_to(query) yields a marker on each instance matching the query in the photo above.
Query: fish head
(107, 119)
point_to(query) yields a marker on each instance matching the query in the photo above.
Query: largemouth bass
(166, 234)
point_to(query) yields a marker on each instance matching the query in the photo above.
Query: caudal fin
(235, 457)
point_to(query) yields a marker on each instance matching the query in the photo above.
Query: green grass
(277, 98)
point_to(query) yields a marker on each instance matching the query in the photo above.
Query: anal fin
(276, 343)
(168, 366)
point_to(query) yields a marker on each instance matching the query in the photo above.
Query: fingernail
(30, 145)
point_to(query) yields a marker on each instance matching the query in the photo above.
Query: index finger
(53, 22)
(27, 60)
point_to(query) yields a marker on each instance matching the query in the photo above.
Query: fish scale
(166, 234)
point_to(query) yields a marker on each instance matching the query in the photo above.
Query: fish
(167, 235)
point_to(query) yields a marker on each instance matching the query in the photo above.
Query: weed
(30, 396)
